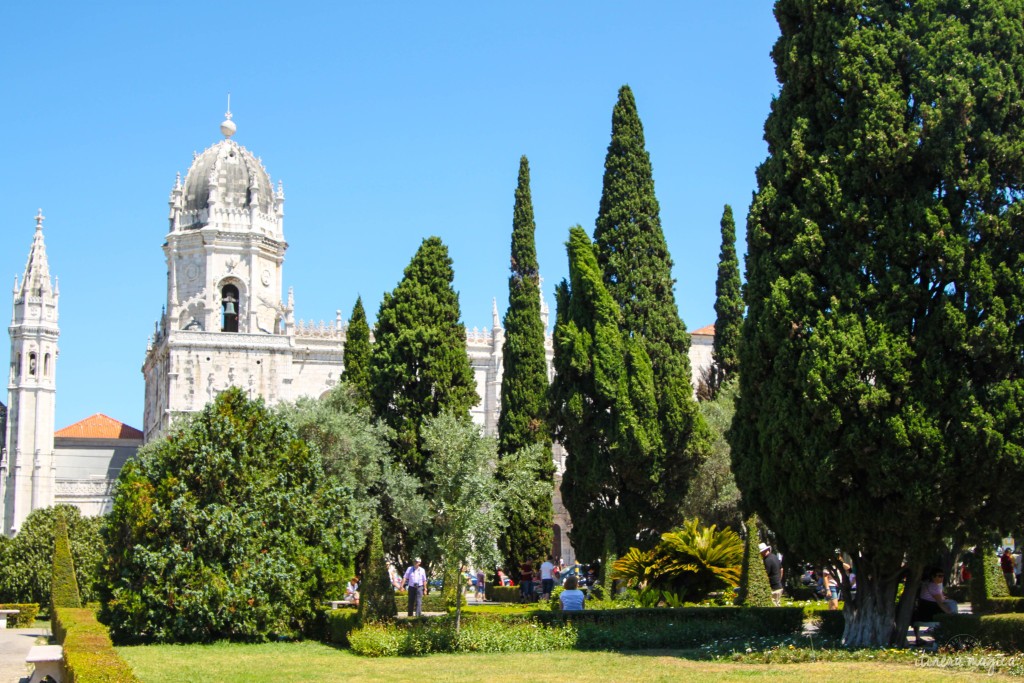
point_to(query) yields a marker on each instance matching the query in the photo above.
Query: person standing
(547, 578)
(415, 580)
(1006, 564)
(773, 566)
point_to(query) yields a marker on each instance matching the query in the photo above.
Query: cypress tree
(357, 352)
(63, 584)
(418, 365)
(604, 413)
(728, 306)
(522, 421)
(376, 594)
(882, 354)
(637, 270)
(755, 589)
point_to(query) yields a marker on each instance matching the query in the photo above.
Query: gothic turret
(28, 472)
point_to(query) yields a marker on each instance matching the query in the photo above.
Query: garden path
(14, 646)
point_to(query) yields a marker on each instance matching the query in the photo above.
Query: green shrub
(987, 582)
(27, 613)
(755, 589)
(1004, 605)
(89, 656)
(477, 635)
(502, 593)
(63, 584)
(340, 623)
(376, 594)
(1000, 631)
(438, 601)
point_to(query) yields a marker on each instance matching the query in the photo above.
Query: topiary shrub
(376, 594)
(755, 589)
(340, 623)
(987, 582)
(27, 613)
(1005, 605)
(88, 653)
(63, 584)
(502, 593)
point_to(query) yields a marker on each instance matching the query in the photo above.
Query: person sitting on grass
(571, 599)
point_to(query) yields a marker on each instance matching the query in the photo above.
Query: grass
(308, 661)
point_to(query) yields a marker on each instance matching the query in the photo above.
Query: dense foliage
(524, 384)
(882, 365)
(89, 655)
(728, 306)
(376, 594)
(226, 529)
(713, 497)
(63, 584)
(419, 367)
(755, 588)
(26, 561)
(687, 564)
(605, 415)
(637, 269)
(357, 352)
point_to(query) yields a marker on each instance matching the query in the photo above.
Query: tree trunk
(458, 605)
(869, 618)
(905, 611)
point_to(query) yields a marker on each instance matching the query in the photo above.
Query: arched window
(32, 364)
(46, 365)
(229, 308)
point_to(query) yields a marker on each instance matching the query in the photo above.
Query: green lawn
(229, 663)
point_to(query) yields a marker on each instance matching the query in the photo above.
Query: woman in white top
(571, 599)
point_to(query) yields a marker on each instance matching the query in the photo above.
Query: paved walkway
(14, 645)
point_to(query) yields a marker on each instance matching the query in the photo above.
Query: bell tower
(27, 475)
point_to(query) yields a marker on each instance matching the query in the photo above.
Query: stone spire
(36, 282)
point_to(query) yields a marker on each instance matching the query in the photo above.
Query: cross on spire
(39, 220)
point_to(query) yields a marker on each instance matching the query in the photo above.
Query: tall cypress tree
(419, 366)
(728, 305)
(882, 357)
(637, 268)
(605, 414)
(357, 352)
(524, 384)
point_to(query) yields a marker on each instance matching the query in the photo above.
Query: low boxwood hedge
(89, 656)
(619, 629)
(27, 613)
(1004, 605)
(502, 594)
(341, 622)
(1000, 631)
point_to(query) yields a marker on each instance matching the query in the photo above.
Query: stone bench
(4, 613)
(927, 625)
(47, 659)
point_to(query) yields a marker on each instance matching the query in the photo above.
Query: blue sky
(387, 122)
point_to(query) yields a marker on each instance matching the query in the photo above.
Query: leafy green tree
(63, 584)
(376, 594)
(226, 529)
(357, 352)
(728, 306)
(419, 367)
(882, 354)
(637, 269)
(755, 588)
(470, 504)
(524, 385)
(26, 561)
(713, 497)
(605, 415)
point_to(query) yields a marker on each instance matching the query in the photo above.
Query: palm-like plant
(690, 561)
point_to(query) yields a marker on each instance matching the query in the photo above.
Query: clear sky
(387, 122)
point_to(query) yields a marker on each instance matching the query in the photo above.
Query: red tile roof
(708, 330)
(99, 426)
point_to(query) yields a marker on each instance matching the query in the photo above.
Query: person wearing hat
(773, 566)
(415, 580)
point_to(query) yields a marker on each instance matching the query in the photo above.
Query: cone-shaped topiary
(63, 584)
(376, 594)
(987, 581)
(755, 591)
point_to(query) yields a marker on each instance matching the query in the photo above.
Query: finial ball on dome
(228, 128)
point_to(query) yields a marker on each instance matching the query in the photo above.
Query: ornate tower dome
(227, 187)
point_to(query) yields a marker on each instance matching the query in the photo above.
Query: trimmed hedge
(89, 656)
(831, 623)
(1001, 631)
(1004, 605)
(63, 583)
(534, 630)
(502, 593)
(340, 623)
(27, 613)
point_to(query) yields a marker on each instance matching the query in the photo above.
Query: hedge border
(27, 613)
(89, 655)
